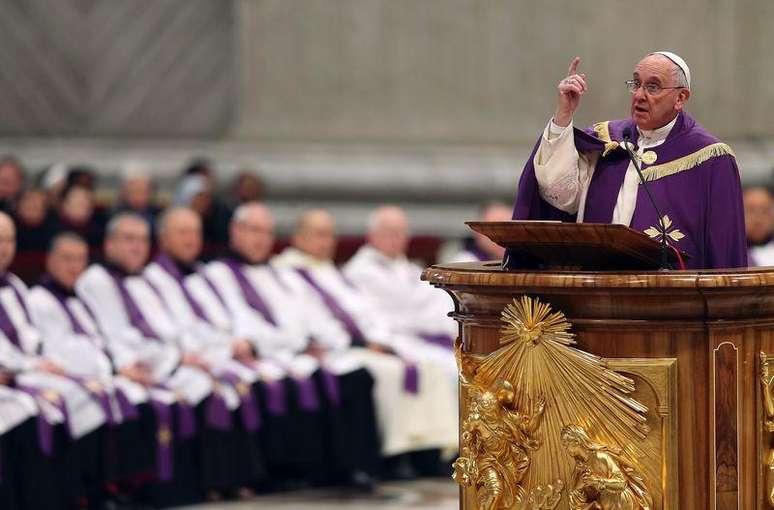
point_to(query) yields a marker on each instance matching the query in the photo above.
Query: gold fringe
(602, 129)
(688, 162)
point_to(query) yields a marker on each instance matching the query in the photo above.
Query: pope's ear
(682, 98)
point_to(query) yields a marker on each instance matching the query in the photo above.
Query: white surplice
(84, 354)
(427, 419)
(84, 413)
(414, 306)
(283, 343)
(210, 336)
(127, 344)
(15, 408)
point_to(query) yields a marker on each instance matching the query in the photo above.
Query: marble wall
(484, 71)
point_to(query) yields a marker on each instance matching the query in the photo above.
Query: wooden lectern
(615, 389)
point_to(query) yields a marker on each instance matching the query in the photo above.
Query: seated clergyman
(72, 339)
(284, 331)
(61, 399)
(412, 416)
(381, 270)
(148, 347)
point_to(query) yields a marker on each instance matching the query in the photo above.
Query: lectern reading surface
(572, 246)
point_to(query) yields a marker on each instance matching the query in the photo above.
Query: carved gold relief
(603, 479)
(767, 383)
(548, 426)
(656, 388)
(497, 444)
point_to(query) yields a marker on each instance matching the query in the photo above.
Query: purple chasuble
(702, 195)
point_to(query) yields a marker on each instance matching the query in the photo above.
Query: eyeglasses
(651, 89)
(131, 238)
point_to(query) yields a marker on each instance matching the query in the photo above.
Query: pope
(586, 175)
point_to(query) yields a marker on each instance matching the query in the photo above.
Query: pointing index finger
(573, 66)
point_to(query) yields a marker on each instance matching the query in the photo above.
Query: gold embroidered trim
(602, 129)
(655, 232)
(687, 162)
(649, 157)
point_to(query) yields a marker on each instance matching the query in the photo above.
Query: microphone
(627, 135)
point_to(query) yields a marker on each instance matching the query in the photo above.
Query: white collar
(658, 134)
(378, 255)
(295, 258)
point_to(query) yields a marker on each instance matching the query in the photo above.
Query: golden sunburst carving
(538, 363)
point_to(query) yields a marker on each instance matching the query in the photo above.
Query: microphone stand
(662, 227)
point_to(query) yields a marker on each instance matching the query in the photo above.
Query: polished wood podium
(613, 389)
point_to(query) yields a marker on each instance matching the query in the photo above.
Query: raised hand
(570, 90)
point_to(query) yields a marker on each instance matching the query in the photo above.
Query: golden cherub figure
(767, 381)
(497, 440)
(603, 479)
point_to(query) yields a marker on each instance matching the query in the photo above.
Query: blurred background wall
(433, 104)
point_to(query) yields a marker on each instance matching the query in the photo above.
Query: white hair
(241, 212)
(680, 79)
(375, 218)
(163, 221)
(135, 170)
(115, 222)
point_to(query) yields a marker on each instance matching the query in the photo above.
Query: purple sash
(136, 318)
(346, 320)
(6, 324)
(6, 280)
(128, 410)
(212, 287)
(45, 430)
(166, 263)
(275, 398)
(251, 416)
(251, 296)
(275, 395)
(217, 414)
(78, 329)
(186, 420)
(49, 285)
(101, 397)
(438, 339)
(307, 394)
(164, 437)
(411, 377)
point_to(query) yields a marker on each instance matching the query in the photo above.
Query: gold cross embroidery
(655, 232)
